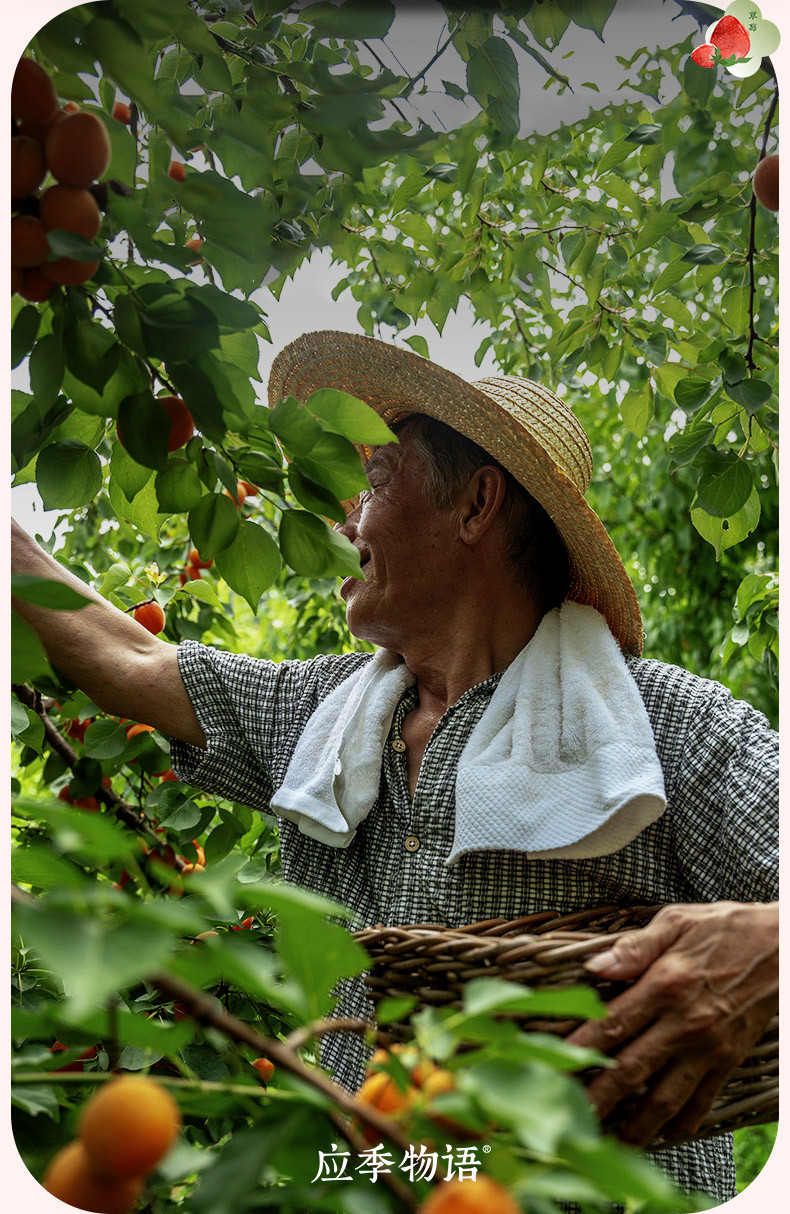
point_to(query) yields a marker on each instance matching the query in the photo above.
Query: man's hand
(709, 985)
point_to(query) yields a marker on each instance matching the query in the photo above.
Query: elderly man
(506, 750)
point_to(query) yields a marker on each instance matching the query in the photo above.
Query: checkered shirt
(716, 840)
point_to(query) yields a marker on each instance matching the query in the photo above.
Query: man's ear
(480, 503)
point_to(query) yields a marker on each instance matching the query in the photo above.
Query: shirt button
(411, 843)
(399, 745)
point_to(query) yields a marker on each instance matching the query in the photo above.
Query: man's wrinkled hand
(707, 986)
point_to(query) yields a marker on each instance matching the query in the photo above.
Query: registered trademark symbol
(486, 1149)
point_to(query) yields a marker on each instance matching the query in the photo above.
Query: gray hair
(535, 550)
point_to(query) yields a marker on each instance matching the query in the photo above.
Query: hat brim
(397, 382)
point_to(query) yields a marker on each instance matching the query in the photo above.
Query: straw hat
(526, 427)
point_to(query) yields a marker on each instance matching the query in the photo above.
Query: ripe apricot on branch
(27, 166)
(134, 730)
(151, 616)
(29, 246)
(195, 244)
(121, 112)
(264, 1067)
(78, 149)
(66, 272)
(33, 96)
(194, 560)
(71, 1178)
(182, 427)
(71, 209)
(480, 1196)
(766, 182)
(177, 170)
(129, 1125)
(36, 287)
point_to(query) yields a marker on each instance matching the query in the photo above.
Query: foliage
(753, 1145)
(620, 260)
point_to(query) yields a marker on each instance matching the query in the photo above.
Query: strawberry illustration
(729, 42)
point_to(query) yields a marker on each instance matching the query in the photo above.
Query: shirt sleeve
(252, 712)
(726, 797)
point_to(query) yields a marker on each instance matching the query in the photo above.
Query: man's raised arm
(123, 668)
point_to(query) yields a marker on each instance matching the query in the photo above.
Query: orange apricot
(33, 96)
(66, 272)
(177, 170)
(27, 166)
(182, 427)
(29, 246)
(78, 149)
(195, 561)
(36, 287)
(480, 1196)
(129, 1125)
(70, 209)
(134, 730)
(195, 244)
(151, 616)
(71, 1178)
(766, 182)
(121, 112)
(264, 1067)
(17, 279)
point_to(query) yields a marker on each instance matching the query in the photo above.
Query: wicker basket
(432, 963)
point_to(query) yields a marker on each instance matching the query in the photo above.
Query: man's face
(405, 547)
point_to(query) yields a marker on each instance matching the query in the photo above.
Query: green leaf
(250, 563)
(352, 418)
(735, 308)
(144, 429)
(654, 347)
(45, 368)
(492, 79)
(178, 488)
(92, 353)
(69, 244)
(125, 472)
(294, 425)
(685, 446)
(177, 327)
(313, 549)
(645, 133)
(698, 81)
(46, 593)
(693, 392)
(420, 346)
(750, 394)
(92, 958)
(105, 740)
(334, 463)
(589, 14)
(24, 332)
(725, 485)
(614, 155)
(354, 19)
(654, 229)
(705, 255)
(635, 408)
(407, 189)
(314, 497)
(143, 512)
(496, 994)
(213, 524)
(315, 954)
(733, 365)
(68, 474)
(28, 659)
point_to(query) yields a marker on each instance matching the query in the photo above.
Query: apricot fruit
(766, 183)
(239, 497)
(71, 1178)
(70, 209)
(36, 287)
(182, 427)
(195, 244)
(134, 730)
(78, 1064)
(33, 96)
(128, 1126)
(17, 280)
(194, 560)
(480, 1196)
(27, 166)
(264, 1067)
(151, 616)
(121, 112)
(189, 574)
(193, 868)
(65, 272)
(177, 170)
(78, 149)
(40, 130)
(29, 246)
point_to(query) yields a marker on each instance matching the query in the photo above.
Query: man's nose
(349, 527)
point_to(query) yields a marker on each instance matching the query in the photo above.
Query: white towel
(561, 763)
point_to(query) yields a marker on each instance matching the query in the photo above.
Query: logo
(738, 40)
